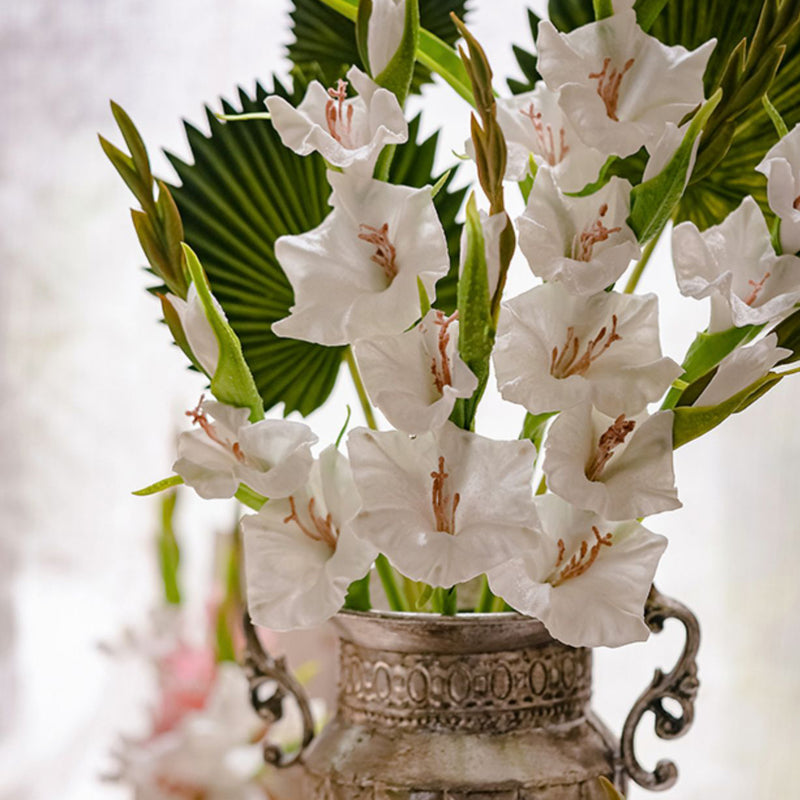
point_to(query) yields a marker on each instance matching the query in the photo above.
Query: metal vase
(471, 707)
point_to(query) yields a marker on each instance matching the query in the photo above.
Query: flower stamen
(182, 789)
(796, 204)
(444, 511)
(544, 135)
(385, 253)
(325, 531)
(563, 363)
(339, 121)
(608, 85)
(584, 242)
(756, 290)
(199, 417)
(441, 369)
(583, 559)
(615, 436)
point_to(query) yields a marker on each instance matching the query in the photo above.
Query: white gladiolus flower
(301, 553)
(781, 165)
(210, 754)
(741, 368)
(197, 329)
(589, 584)
(355, 276)
(555, 350)
(348, 133)
(384, 32)
(619, 468)
(445, 506)
(272, 456)
(583, 243)
(735, 264)
(618, 86)
(415, 377)
(534, 124)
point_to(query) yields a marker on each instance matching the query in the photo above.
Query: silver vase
(471, 707)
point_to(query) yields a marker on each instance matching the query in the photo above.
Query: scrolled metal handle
(680, 684)
(261, 670)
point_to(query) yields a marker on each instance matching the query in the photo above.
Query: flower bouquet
(310, 233)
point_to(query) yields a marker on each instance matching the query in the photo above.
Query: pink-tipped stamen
(584, 242)
(544, 135)
(757, 286)
(444, 509)
(385, 252)
(606, 445)
(565, 362)
(608, 84)
(324, 529)
(440, 368)
(339, 119)
(583, 559)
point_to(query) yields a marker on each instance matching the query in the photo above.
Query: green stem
(450, 602)
(247, 497)
(633, 281)
(384, 163)
(485, 598)
(542, 486)
(386, 574)
(360, 390)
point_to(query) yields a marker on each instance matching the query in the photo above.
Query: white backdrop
(92, 394)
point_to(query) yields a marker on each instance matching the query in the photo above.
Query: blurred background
(93, 395)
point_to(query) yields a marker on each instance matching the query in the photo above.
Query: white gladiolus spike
(444, 506)
(781, 165)
(618, 86)
(355, 276)
(555, 350)
(735, 264)
(741, 368)
(272, 457)
(619, 468)
(590, 582)
(415, 377)
(583, 243)
(348, 132)
(534, 125)
(301, 554)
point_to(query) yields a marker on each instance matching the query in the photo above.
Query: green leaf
(706, 352)
(232, 382)
(325, 38)
(602, 9)
(357, 598)
(396, 76)
(362, 33)
(159, 486)
(135, 144)
(475, 326)
(169, 554)
(775, 117)
(691, 422)
(243, 190)
(534, 427)
(653, 202)
(788, 333)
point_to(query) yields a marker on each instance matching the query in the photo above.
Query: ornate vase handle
(680, 684)
(262, 670)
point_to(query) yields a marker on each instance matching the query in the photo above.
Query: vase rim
(411, 632)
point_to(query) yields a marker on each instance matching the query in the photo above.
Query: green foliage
(691, 422)
(243, 190)
(653, 202)
(534, 427)
(326, 38)
(169, 554)
(159, 486)
(476, 329)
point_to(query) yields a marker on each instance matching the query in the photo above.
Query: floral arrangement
(617, 139)
(203, 736)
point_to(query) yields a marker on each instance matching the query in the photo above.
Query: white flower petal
(637, 481)
(293, 580)
(341, 293)
(402, 373)
(584, 243)
(735, 264)
(534, 124)
(622, 378)
(741, 368)
(492, 519)
(384, 32)
(492, 226)
(601, 606)
(197, 329)
(655, 84)
(376, 120)
(781, 165)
